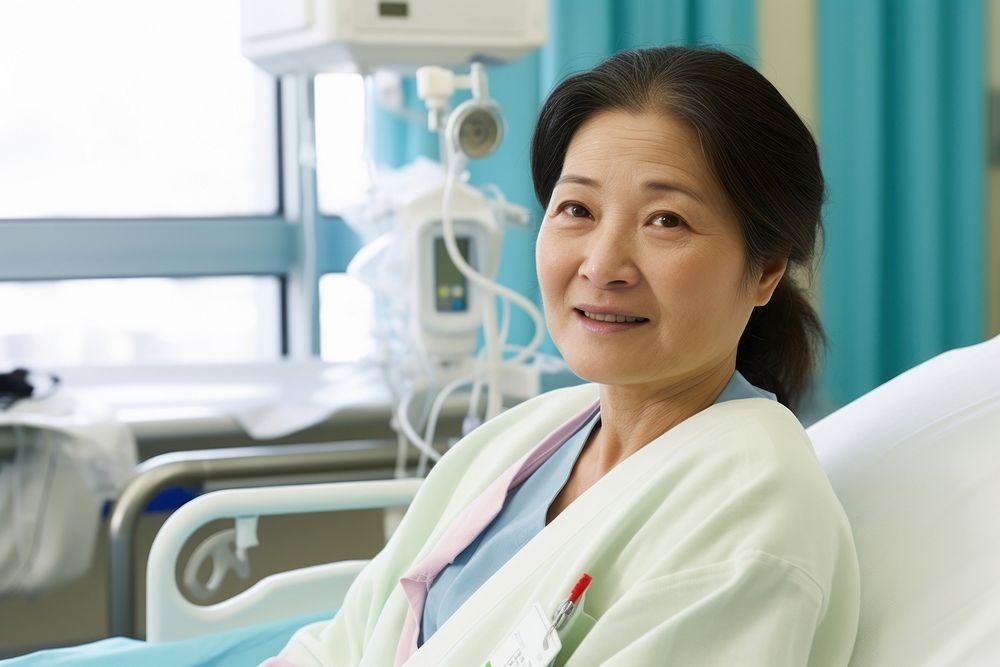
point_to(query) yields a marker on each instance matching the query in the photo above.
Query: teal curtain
(581, 34)
(902, 133)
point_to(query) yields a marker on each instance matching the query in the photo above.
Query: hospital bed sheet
(198, 406)
(236, 648)
(186, 407)
(268, 400)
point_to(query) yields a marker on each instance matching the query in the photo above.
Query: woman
(678, 185)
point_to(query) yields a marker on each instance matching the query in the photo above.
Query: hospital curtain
(902, 137)
(581, 34)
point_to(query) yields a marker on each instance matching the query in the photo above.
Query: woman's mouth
(612, 317)
(608, 322)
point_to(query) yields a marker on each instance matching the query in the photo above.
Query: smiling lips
(610, 317)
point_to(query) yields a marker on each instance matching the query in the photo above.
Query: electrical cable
(504, 323)
(495, 337)
(432, 419)
(494, 401)
(456, 166)
(402, 447)
(406, 427)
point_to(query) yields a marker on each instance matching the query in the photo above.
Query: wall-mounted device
(293, 36)
(446, 309)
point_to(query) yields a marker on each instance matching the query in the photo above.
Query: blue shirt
(521, 518)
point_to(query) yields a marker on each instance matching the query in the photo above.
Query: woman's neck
(632, 416)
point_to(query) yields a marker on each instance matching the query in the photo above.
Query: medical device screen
(450, 286)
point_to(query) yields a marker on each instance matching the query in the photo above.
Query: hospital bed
(193, 425)
(915, 462)
(170, 615)
(208, 425)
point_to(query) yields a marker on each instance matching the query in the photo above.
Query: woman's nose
(609, 260)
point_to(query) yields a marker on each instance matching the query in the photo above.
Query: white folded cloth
(69, 457)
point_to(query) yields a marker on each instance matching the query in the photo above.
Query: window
(118, 108)
(341, 173)
(148, 110)
(347, 307)
(346, 318)
(60, 323)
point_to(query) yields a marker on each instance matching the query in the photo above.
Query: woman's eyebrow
(664, 186)
(656, 186)
(582, 180)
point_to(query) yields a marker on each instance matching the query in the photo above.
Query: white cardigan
(719, 543)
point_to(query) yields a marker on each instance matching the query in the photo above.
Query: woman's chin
(600, 373)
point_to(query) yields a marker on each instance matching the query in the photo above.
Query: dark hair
(764, 157)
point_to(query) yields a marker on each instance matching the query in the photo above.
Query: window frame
(57, 249)
(296, 243)
(47, 249)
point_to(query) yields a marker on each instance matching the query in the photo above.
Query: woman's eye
(669, 220)
(576, 211)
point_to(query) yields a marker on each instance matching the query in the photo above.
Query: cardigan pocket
(576, 629)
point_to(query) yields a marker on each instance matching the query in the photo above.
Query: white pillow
(916, 464)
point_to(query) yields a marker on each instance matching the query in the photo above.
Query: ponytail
(778, 349)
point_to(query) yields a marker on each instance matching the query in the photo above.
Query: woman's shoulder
(760, 440)
(754, 483)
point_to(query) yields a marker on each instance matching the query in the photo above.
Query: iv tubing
(456, 164)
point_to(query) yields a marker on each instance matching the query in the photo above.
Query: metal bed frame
(352, 445)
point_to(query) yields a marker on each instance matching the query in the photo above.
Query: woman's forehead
(647, 147)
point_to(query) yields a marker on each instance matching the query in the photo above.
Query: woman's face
(640, 256)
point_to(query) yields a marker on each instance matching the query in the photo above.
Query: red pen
(566, 608)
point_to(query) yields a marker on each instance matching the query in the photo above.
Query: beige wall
(786, 40)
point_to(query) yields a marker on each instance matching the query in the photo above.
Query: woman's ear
(770, 276)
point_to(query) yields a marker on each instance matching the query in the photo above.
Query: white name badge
(527, 645)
